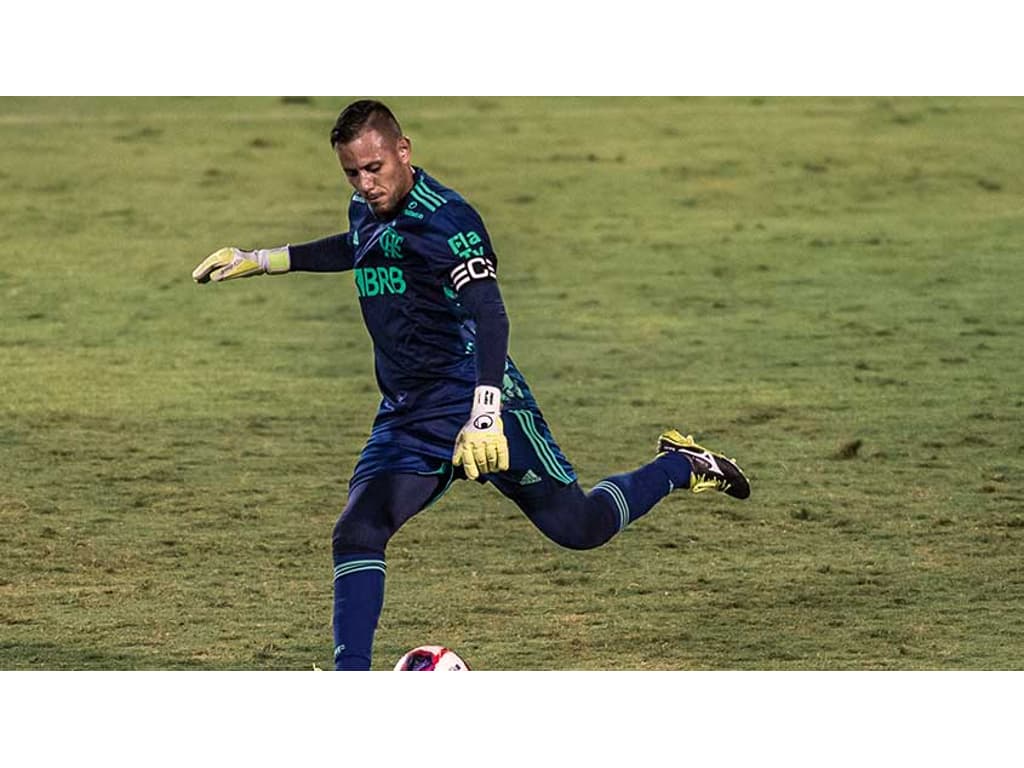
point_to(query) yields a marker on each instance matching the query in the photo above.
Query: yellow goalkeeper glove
(229, 263)
(481, 446)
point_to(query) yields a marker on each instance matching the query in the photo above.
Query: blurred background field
(827, 289)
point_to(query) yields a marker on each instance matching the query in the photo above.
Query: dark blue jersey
(408, 272)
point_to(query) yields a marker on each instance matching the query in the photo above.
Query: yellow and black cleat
(709, 471)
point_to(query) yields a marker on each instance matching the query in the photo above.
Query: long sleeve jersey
(426, 280)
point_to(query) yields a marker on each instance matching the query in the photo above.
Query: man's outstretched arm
(330, 254)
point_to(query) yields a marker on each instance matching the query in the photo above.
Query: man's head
(375, 156)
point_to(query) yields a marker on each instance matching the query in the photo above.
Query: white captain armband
(476, 268)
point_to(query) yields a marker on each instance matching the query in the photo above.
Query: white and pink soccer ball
(431, 658)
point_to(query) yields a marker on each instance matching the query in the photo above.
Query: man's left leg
(376, 509)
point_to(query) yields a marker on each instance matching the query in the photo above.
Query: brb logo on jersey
(379, 281)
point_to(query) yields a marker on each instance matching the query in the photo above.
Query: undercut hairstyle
(363, 115)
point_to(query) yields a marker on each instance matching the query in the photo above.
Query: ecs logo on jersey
(478, 268)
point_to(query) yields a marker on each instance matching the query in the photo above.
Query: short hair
(364, 115)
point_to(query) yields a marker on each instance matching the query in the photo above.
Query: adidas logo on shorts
(529, 478)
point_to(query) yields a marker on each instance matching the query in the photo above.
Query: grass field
(827, 289)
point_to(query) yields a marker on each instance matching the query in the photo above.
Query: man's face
(379, 169)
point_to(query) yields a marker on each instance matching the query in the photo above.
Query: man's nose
(366, 182)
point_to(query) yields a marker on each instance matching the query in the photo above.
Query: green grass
(828, 289)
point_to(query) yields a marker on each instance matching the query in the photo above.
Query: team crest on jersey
(391, 243)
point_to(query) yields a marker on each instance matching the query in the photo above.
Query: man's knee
(352, 534)
(579, 536)
(377, 508)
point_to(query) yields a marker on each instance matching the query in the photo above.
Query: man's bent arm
(481, 446)
(483, 301)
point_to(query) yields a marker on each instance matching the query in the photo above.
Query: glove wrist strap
(486, 406)
(274, 261)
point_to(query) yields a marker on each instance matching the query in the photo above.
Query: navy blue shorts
(425, 448)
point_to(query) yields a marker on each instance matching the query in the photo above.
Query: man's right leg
(376, 509)
(543, 484)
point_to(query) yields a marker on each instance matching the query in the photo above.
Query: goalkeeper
(454, 405)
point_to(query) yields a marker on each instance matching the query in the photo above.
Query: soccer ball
(431, 658)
